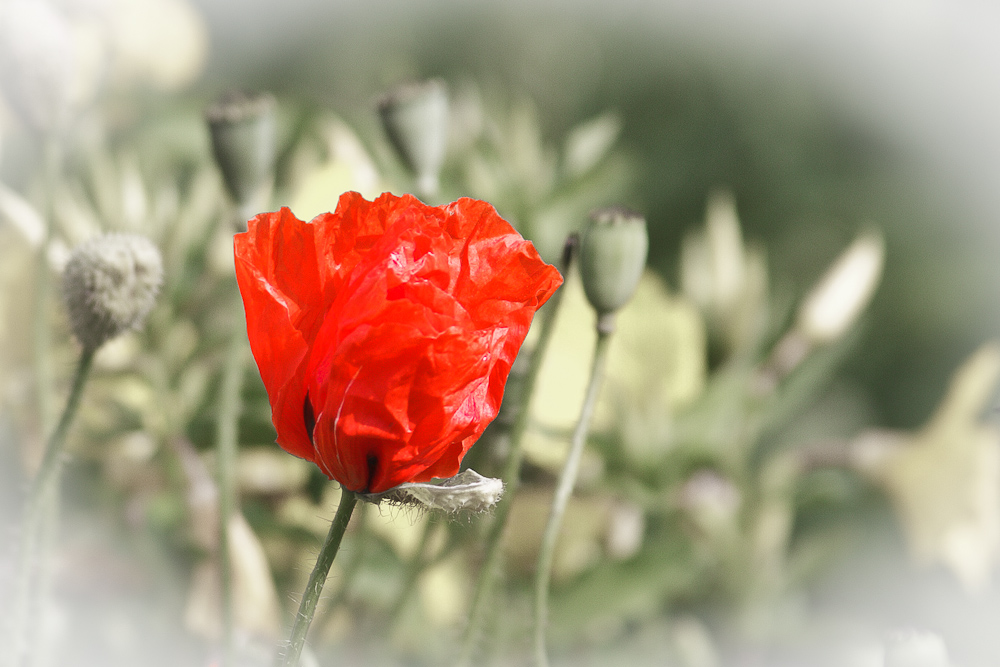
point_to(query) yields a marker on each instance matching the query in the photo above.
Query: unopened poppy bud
(110, 285)
(612, 258)
(714, 261)
(415, 118)
(829, 309)
(468, 491)
(840, 296)
(242, 126)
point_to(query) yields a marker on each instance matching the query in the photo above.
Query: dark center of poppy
(309, 417)
(372, 469)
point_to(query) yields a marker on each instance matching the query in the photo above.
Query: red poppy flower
(385, 331)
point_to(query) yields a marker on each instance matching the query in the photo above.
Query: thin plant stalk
(353, 564)
(42, 358)
(227, 433)
(310, 597)
(40, 499)
(511, 473)
(227, 444)
(36, 583)
(564, 489)
(43, 286)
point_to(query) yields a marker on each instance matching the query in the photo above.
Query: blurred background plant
(767, 480)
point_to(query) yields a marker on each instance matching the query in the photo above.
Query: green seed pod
(109, 285)
(415, 118)
(243, 131)
(612, 257)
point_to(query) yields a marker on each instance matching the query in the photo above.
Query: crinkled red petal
(399, 321)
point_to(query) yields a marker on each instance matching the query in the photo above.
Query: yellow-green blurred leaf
(945, 480)
(656, 365)
(589, 142)
(347, 167)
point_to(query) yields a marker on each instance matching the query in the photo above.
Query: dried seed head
(110, 284)
(468, 491)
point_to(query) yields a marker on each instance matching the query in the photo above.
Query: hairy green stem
(564, 489)
(41, 496)
(511, 475)
(310, 597)
(353, 564)
(226, 436)
(52, 459)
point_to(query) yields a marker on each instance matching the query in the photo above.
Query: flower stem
(511, 473)
(307, 608)
(53, 452)
(34, 582)
(227, 433)
(43, 288)
(564, 490)
(41, 495)
(353, 564)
